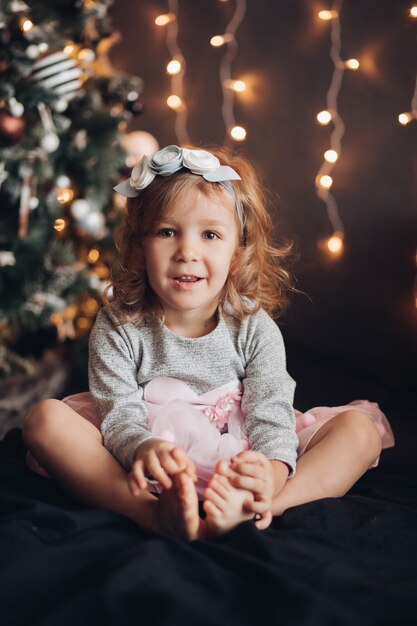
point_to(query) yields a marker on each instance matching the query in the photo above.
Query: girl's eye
(166, 232)
(209, 234)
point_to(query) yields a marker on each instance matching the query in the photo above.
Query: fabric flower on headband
(170, 160)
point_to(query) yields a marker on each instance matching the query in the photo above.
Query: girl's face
(188, 256)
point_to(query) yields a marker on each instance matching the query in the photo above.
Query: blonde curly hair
(258, 277)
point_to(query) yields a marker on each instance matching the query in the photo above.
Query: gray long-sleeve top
(123, 358)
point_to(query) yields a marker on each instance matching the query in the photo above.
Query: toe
(220, 485)
(216, 498)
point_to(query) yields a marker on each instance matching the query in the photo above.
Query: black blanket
(350, 561)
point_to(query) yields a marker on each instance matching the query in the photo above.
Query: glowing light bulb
(324, 118)
(175, 102)
(352, 64)
(174, 67)
(60, 224)
(328, 15)
(220, 40)
(238, 133)
(413, 11)
(164, 19)
(69, 48)
(331, 156)
(91, 306)
(335, 244)
(93, 255)
(83, 323)
(86, 55)
(26, 25)
(324, 181)
(64, 195)
(405, 118)
(235, 85)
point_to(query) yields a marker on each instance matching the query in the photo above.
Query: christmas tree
(63, 114)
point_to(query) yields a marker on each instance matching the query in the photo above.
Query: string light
(331, 156)
(174, 102)
(26, 24)
(405, 118)
(335, 244)
(235, 132)
(328, 15)
(323, 180)
(176, 69)
(163, 20)
(220, 40)
(352, 64)
(238, 133)
(324, 118)
(409, 116)
(237, 85)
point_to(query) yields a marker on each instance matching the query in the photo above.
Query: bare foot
(177, 510)
(224, 506)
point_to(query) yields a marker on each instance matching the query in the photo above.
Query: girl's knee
(40, 419)
(361, 429)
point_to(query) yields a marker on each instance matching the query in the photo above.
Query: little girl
(190, 397)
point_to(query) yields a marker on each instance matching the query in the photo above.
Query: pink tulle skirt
(210, 427)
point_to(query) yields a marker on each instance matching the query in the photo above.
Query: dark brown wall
(354, 332)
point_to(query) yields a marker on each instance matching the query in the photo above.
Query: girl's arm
(113, 382)
(267, 401)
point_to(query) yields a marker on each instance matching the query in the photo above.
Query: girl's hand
(264, 478)
(158, 459)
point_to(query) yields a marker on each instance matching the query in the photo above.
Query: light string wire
(407, 117)
(338, 124)
(414, 101)
(414, 116)
(225, 67)
(177, 80)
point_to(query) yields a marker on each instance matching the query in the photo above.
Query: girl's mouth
(187, 278)
(186, 281)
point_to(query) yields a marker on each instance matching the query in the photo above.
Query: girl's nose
(187, 250)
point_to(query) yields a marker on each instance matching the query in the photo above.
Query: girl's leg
(71, 451)
(335, 458)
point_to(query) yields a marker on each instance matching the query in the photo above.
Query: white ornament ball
(137, 144)
(60, 105)
(50, 142)
(32, 51)
(33, 203)
(80, 209)
(7, 258)
(16, 108)
(63, 182)
(93, 223)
